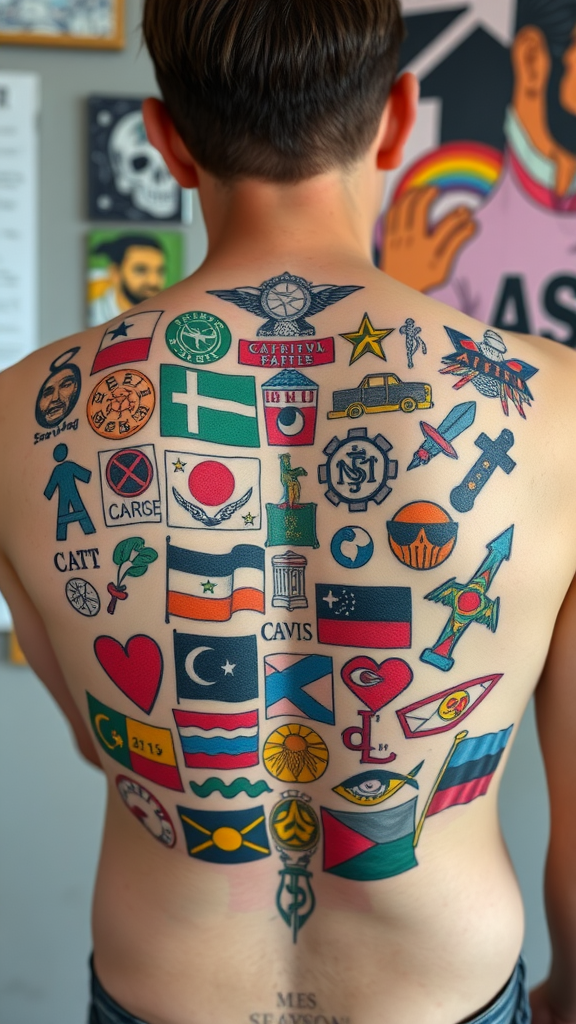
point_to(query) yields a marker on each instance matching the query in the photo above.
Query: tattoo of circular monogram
(121, 404)
(147, 809)
(82, 596)
(198, 337)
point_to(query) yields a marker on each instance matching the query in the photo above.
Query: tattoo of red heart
(376, 685)
(136, 669)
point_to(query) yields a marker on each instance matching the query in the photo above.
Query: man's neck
(326, 220)
(531, 112)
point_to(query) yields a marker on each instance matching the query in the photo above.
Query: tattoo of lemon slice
(295, 753)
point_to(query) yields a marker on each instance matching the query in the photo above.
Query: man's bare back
(306, 711)
(289, 544)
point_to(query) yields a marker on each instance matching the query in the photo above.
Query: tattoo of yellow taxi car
(382, 392)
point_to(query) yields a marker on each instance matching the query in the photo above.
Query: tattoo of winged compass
(284, 302)
(222, 514)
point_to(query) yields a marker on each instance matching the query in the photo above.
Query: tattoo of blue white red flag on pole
(483, 364)
(466, 772)
(468, 602)
(296, 831)
(212, 588)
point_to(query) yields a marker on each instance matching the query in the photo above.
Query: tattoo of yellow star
(208, 587)
(178, 466)
(248, 519)
(367, 339)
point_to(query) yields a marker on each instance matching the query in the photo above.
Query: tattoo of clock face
(121, 404)
(147, 809)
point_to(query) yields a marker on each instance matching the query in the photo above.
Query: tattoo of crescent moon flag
(132, 558)
(284, 302)
(468, 602)
(295, 829)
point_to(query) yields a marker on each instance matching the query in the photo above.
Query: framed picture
(97, 24)
(126, 267)
(127, 178)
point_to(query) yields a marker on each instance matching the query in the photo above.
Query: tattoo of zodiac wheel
(82, 596)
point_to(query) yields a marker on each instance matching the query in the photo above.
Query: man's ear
(397, 121)
(163, 136)
(531, 61)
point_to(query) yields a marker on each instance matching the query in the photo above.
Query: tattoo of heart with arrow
(132, 558)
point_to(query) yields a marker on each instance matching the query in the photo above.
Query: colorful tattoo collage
(190, 486)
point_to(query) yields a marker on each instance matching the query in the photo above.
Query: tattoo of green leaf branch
(132, 558)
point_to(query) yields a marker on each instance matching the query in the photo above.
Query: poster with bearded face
(482, 214)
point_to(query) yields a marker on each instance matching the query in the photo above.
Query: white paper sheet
(19, 107)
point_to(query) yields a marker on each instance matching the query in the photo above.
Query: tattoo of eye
(375, 786)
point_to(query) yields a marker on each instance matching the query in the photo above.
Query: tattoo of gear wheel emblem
(357, 469)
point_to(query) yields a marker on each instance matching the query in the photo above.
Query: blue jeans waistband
(510, 1007)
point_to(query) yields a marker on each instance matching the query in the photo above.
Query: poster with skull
(127, 178)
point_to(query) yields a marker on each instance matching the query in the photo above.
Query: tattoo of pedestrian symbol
(70, 505)
(132, 558)
(358, 469)
(60, 391)
(82, 596)
(295, 828)
(291, 522)
(468, 602)
(295, 753)
(494, 454)
(121, 404)
(284, 301)
(414, 340)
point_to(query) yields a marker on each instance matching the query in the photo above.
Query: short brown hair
(274, 89)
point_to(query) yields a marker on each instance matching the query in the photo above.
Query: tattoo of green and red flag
(146, 749)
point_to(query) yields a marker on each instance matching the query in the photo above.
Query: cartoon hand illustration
(414, 254)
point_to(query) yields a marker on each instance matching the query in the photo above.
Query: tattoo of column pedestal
(296, 831)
